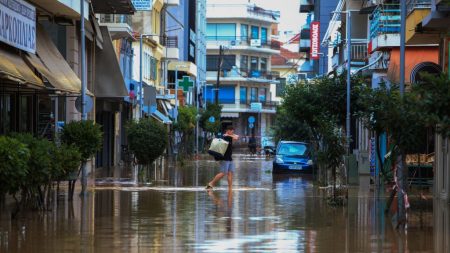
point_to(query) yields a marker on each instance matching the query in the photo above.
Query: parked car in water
(292, 156)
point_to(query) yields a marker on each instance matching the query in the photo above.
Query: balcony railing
(170, 41)
(417, 4)
(385, 20)
(116, 18)
(260, 12)
(245, 103)
(246, 41)
(359, 51)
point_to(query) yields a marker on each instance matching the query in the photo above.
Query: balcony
(385, 27)
(418, 10)
(244, 43)
(119, 26)
(171, 47)
(306, 6)
(237, 105)
(243, 75)
(242, 11)
(305, 45)
(172, 2)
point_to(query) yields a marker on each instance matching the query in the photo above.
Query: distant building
(244, 31)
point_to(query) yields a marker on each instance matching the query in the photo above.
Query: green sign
(186, 83)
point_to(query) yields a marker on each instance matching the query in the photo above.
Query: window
(281, 87)
(255, 32)
(263, 35)
(262, 95)
(228, 61)
(243, 95)
(254, 63)
(253, 94)
(221, 31)
(226, 94)
(263, 64)
(244, 63)
(244, 32)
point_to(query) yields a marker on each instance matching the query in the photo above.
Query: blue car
(292, 156)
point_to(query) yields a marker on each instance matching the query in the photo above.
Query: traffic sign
(251, 119)
(212, 119)
(251, 126)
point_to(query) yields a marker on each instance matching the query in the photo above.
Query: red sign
(315, 40)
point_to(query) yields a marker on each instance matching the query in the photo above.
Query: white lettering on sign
(18, 24)
(315, 37)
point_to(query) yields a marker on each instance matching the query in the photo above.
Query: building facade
(316, 11)
(238, 35)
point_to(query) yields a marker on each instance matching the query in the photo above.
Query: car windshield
(298, 149)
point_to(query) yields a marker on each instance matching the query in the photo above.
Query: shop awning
(161, 117)
(184, 66)
(51, 64)
(13, 67)
(109, 81)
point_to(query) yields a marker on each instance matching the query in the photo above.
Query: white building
(244, 30)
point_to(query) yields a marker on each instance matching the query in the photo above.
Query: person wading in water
(226, 163)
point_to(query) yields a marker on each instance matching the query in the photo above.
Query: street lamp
(141, 91)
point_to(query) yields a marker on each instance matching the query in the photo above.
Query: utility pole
(83, 91)
(219, 66)
(402, 170)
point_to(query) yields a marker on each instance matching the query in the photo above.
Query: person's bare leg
(216, 179)
(230, 180)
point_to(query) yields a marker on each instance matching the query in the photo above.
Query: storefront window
(6, 113)
(25, 114)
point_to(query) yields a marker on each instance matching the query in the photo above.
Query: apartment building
(243, 32)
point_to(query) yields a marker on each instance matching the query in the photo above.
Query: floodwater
(263, 213)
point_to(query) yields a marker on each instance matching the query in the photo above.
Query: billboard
(315, 39)
(143, 5)
(18, 24)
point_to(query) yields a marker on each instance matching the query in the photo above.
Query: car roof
(294, 142)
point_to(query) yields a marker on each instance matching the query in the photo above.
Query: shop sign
(315, 37)
(142, 5)
(18, 24)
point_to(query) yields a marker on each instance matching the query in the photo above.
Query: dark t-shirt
(229, 152)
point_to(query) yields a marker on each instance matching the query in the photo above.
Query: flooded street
(263, 213)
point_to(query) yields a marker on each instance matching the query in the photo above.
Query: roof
(285, 57)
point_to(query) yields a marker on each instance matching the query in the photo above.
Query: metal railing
(245, 41)
(246, 103)
(170, 41)
(385, 20)
(116, 18)
(260, 12)
(417, 4)
(359, 51)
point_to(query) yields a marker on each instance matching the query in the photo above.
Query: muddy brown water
(263, 213)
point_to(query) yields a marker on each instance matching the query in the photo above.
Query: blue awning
(158, 115)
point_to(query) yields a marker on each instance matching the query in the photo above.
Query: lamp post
(349, 59)
(83, 91)
(141, 91)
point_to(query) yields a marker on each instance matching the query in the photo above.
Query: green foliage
(213, 110)
(434, 98)
(85, 135)
(14, 157)
(40, 163)
(147, 139)
(67, 159)
(186, 119)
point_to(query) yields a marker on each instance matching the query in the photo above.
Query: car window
(292, 149)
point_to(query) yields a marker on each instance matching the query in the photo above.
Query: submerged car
(292, 156)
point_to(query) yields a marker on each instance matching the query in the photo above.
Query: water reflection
(263, 213)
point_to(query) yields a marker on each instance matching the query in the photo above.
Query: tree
(185, 127)
(87, 137)
(147, 139)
